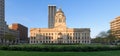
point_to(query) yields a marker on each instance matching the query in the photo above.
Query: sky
(93, 14)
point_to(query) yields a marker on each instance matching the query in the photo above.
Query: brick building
(23, 31)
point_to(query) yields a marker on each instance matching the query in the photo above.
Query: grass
(25, 53)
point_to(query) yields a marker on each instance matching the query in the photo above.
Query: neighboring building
(13, 30)
(60, 33)
(51, 15)
(23, 31)
(3, 25)
(16, 35)
(115, 27)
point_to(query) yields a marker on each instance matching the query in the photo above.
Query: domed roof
(59, 10)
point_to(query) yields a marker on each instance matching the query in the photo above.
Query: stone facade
(68, 35)
(60, 33)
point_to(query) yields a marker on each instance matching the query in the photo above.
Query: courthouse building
(57, 31)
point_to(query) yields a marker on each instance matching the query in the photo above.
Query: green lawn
(24, 53)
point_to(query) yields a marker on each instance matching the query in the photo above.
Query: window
(43, 33)
(49, 38)
(46, 41)
(74, 38)
(88, 41)
(76, 34)
(67, 37)
(46, 33)
(40, 41)
(33, 37)
(52, 33)
(49, 33)
(70, 33)
(60, 33)
(49, 41)
(37, 41)
(85, 41)
(70, 37)
(31, 41)
(60, 20)
(43, 41)
(82, 37)
(46, 37)
(52, 37)
(73, 42)
(79, 41)
(78, 37)
(82, 41)
(82, 34)
(52, 41)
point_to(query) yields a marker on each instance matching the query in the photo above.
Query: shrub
(59, 48)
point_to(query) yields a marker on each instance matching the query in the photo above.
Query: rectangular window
(49, 33)
(52, 33)
(46, 33)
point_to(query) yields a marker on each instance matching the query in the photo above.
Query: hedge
(59, 48)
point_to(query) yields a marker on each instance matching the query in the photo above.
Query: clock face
(60, 21)
(59, 15)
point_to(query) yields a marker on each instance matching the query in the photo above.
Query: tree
(103, 34)
(112, 37)
(101, 37)
(105, 38)
(9, 37)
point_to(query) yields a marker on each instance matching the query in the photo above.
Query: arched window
(60, 33)
(60, 20)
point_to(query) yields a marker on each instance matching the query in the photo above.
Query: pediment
(60, 26)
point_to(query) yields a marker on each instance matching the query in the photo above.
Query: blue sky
(94, 14)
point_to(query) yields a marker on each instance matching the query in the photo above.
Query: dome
(59, 10)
